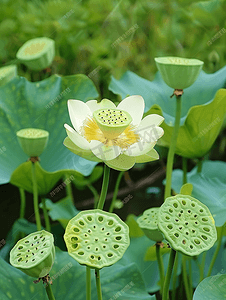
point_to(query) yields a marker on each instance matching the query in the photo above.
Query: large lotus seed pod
(177, 72)
(112, 121)
(37, 54)
(96, 238)
(34, 254)
(187, 224)
(148, 223)
(7, 73)
(33, 141)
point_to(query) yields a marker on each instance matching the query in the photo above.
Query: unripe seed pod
(34, 254)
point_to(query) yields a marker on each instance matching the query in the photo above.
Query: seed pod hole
(175, 204)
(81, 223)
(89, 218)
(117, 229)
(35, 237)
(81, 253)
(76, 229)
(74, 246)
(100, 219)
(110, 254)
(116, 246)
(118, 238)
(110, 223)
(170, 227)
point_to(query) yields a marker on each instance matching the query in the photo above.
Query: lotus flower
(118, 136)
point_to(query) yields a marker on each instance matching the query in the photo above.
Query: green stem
(22, 203)
(97, 274)
(160, 265)
(168, 275)
(184, 165)
(202, 267)
(69, 188)
(185, 278)
(199, 170)
(216, 251)
(175, 277)
(170, 157)
(95, 194)
(190, 277)
(88, 283)
(46, 216)
(35, 197)
(104, 187)
(50, 292)
(116, 191)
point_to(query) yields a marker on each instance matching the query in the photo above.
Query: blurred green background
(100, 38)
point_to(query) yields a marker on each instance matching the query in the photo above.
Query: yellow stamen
(91, 131)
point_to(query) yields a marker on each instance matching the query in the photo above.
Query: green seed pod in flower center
(112, 122)
(33, 141)
(34, 254)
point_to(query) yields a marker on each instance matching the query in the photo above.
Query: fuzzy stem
(69, 188)
(104, 187)
(95, 194)
(172, 148)
(50, 292)
(35, 197)
(116, 191)
(202, 266)
(216, 251)
(160, 265)
(175, 277)
(199, 164)
(98, 285)
(168, 275)
(184, 165)
(46, 216)
(88, 283)
(22, 203)
(185, 278)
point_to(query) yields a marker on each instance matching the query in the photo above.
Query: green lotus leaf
(212, 287)
(42, 105)
(123, 278)
(62, 211)
(21, 177)
(209, 187)
(203, 108)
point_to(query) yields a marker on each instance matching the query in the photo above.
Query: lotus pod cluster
(187, 225)
(34, 254)
(96, 238)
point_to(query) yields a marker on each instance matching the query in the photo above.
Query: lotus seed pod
(33, 141)
(96, 238)
(7, 73)
(177, 72)
(187, 225)
(148, 223)
(34, 254)
(112, 122)
(37, 54)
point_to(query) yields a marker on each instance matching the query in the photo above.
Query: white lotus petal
(147, 157)
(151, 120)
(78, 112)
(103, 152)
(134, 105)
(139, 148)
(76, 138)
(105, 103)
(149, 134)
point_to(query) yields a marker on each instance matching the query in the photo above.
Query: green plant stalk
(199, 164)
(160, 265)
(116, 191)
(22, 203)
(35, 197)
(99, 293)
(88, 283)
(104, 187)
(168, 275)
(202, 267)
(184, 165)
(46, 216)
(216, 251)
(190, 278)
(175, 277)
(50, 292)
(69, 189)
(95, 194)
(185, 278)
(172, 148)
